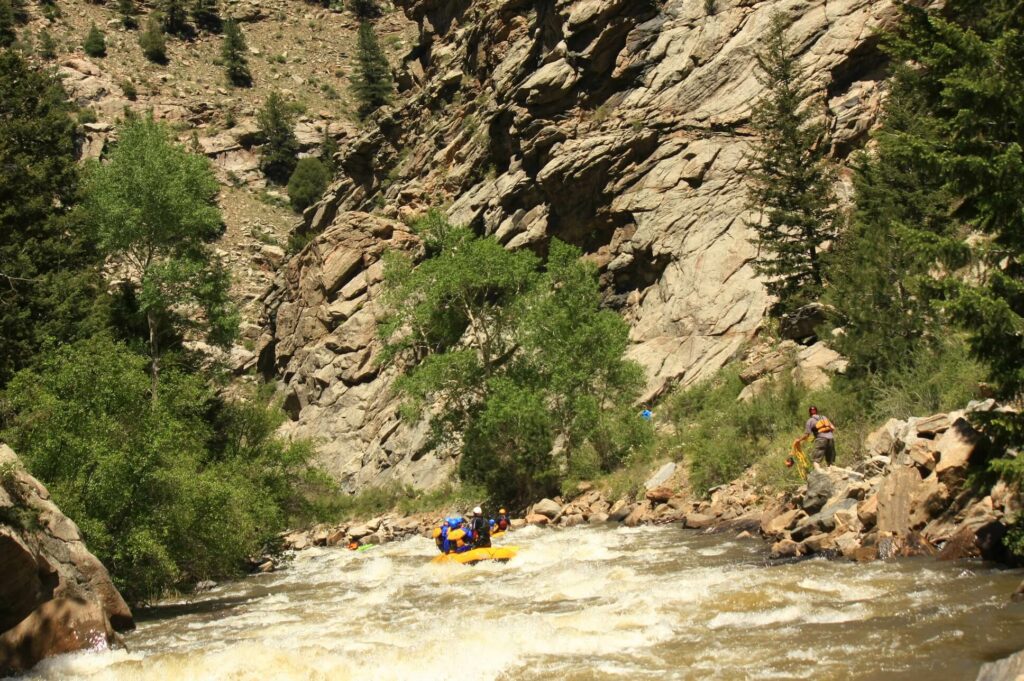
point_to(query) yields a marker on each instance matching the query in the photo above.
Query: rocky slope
(618, 126)
(55, 596)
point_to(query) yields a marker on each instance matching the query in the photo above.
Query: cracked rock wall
(620, 126)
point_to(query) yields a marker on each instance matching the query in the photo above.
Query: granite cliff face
(619, 126)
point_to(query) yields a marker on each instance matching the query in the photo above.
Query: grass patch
(336, 506)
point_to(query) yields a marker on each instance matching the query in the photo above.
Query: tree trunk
(154, 356)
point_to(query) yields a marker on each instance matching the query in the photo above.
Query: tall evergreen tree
(152, 42)
(174, 17)
(49, 273)
(8, 33)
(280, 148)
(372, 83)
(206, 15)
(365, 9)
(233, 53)
(791, 180)
(128, 12)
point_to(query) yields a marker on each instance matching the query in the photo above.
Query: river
(580, 604)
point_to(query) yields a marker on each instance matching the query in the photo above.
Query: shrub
(152, 42)
(307, 183)
(47, 46)
(7, 24)
(128, 88)
(233, 55)
(95, 44)
(280, 147)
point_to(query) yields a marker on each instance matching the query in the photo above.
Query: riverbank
(915, 494)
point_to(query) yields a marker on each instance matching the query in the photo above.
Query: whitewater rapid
(580, 604)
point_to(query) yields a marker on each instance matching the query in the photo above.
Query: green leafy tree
(280, 147)
(128, 11)
(152, 42)
(95, 44)
(790, 179)
(372, 83)
(518, 363)
(49, 271)
(153, 208)
(206, 15)
(167, 492)
(8, 32)
(233, 53)
(307, 183)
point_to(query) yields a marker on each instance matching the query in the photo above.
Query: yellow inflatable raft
(498, 553)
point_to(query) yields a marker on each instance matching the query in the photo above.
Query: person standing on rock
(821, 429)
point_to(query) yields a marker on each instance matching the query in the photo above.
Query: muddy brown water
(580, 604)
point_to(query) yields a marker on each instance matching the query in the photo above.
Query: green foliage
(166, 493)
(128, 88)
(8, 32)
(335, 505)
(372, 83)
(710, 7)
(49, 270)
(153, 206)
(95, 44)
(127, 10)
(152, 42)
(174, 17)
(365, 9)
(791, 181)
(233, 53)
(47, 46)
(519, 364)
(206, 15)
(307, 183)
(276, 122)
(721, 437)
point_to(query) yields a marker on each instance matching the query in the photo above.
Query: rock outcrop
(620, 127)
(55, 596)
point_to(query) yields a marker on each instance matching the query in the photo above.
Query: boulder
(785, 548)
(637, 516)
(698, 521)
(619, 510)
(659, 494)
(803, 322)
(517, 523)
(547, 507)
(537, 519)
(867, 511)
(932, 425)
(777, 525)
(977, 541)
(58, 626)
(819, 489)
(596, 518)
(954, 449)
(357, 532)
(1007, 669)
(885, 440)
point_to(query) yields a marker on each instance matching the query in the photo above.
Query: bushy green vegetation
(8, 29)
(95, 43)
(152, 42)
(720, 437)
(166, 491)
(340, 507)
(307, 183)
(206, 15)
(153, 207)
(127, 11)
(521, 363)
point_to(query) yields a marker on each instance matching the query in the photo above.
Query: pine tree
(152, 42)
(233, 54)
(791, 181)
(95, 44)
(206, 15)
(49, 272)
(365, 9)
(174, 17)
(47, 46)
(7, 29)
(280, 147)
(127, 10)
(372, 83)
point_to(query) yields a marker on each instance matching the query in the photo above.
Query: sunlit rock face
(620, 127)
